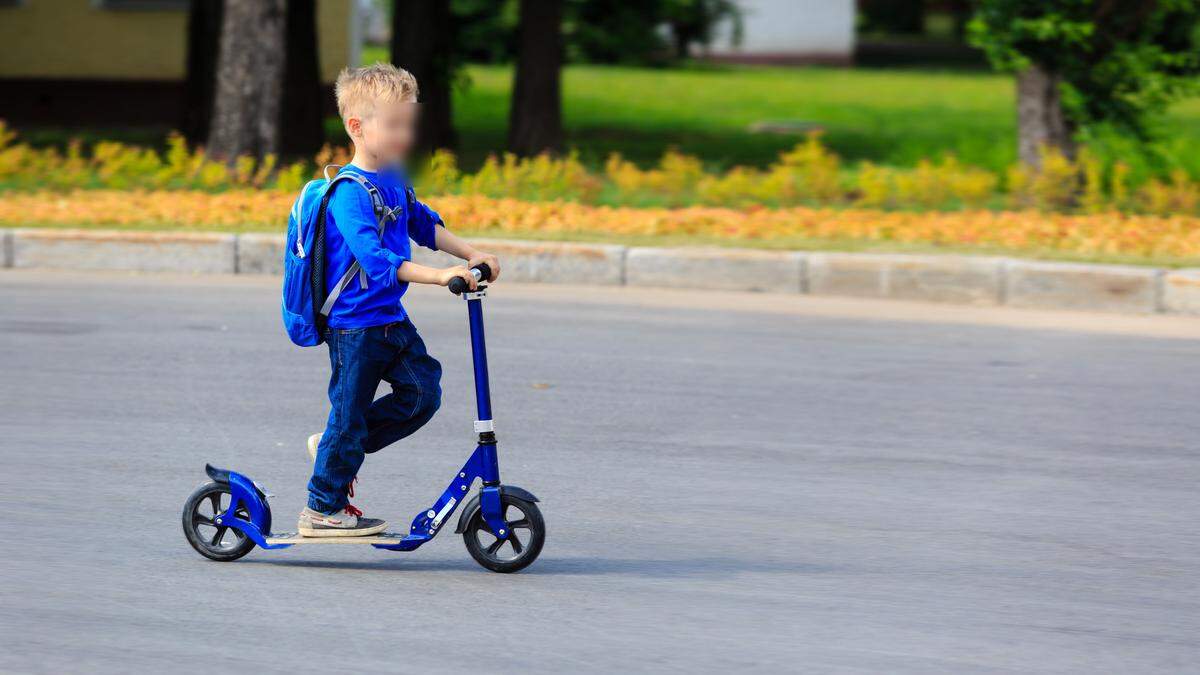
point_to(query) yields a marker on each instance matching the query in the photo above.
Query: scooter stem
(483, 395)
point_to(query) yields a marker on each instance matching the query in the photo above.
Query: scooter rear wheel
(213, 541)
(524, 540)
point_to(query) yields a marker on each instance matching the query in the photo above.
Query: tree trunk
(680, 40)
(1041, 122)
(204, 36)
(423, 44)
(535, 119)
(303, 132)
(246, 114)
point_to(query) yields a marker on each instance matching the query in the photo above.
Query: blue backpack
(306, 305)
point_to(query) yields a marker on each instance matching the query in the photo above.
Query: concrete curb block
(6, 248)
(116, 250)
(717, 269)
(1098, 288)
(930, 278)
(260, 253)
(846, 274)
(963, 280)
(1181, 292)
(545, 262)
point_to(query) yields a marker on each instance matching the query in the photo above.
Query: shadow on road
(576, 566)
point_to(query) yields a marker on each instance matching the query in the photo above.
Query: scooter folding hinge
(441, 515)
(482, 426)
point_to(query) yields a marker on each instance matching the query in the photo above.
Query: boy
(369, 335)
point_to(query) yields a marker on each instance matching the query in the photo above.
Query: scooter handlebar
(481, 272)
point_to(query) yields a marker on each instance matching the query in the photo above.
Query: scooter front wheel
(522, 543)
(213, 541)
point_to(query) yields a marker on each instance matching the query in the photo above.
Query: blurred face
(387, 133)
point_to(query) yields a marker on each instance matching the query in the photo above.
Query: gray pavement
(731, 483)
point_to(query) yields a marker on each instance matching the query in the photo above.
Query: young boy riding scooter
(370, 336)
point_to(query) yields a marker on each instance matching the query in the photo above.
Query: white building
(790, 31)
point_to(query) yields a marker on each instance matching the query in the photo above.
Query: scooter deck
(296, 538)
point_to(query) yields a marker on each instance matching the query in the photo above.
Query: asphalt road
(731, 483)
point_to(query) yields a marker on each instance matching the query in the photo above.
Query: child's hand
(451, 272)
(492, 261)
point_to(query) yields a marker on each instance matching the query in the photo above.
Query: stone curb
(6, 248)
(545, 262)
(931, 278)
(716, 269)
(116, 250)
(1098, 288)
(1181, 292)
(260, 253)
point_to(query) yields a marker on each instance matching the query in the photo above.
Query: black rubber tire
(194, 520)
(488, 554)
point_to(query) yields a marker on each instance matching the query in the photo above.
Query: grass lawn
(886, 116)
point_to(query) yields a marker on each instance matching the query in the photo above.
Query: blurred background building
(788, 32)
(82, 62)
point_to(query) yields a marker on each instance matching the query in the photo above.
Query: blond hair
(358, 90)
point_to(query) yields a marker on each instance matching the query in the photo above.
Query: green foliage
(906, 17)
(1119, 60)
(597, 31)
(485, 30)
(808, 174)
(619, 31)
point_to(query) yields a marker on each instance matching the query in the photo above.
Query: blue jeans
(358, 424)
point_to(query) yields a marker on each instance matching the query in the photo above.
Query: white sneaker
(346, 523)
(313, 442)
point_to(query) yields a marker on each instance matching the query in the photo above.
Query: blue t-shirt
(352, 233)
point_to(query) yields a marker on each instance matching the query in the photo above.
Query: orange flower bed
(266, 210)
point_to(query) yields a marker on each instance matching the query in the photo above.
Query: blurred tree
(535, 118)
(204, 36)
(250, 68)
(694, 22)
(423, 43)
(303, 132)
(904, 17)
(960, 13)
(615, 31)
(647, 32)
(1085, 62)
(486, 29)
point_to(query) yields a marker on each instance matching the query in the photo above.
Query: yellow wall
(81, 39)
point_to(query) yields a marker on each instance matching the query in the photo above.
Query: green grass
(886, 116)
(893, 117)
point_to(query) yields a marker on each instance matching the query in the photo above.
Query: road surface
(731, 483)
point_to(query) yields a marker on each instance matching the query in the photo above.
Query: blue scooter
(501, 524)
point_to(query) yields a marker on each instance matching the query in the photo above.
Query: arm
(423, 274)
(426, 228)
(457, 246)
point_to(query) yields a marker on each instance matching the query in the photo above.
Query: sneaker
(346, 523)
(313, 442)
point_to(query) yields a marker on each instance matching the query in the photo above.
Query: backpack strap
(382, 216)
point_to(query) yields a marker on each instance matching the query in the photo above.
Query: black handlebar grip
(481, 272)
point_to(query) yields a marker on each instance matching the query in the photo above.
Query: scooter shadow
(715, 567)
